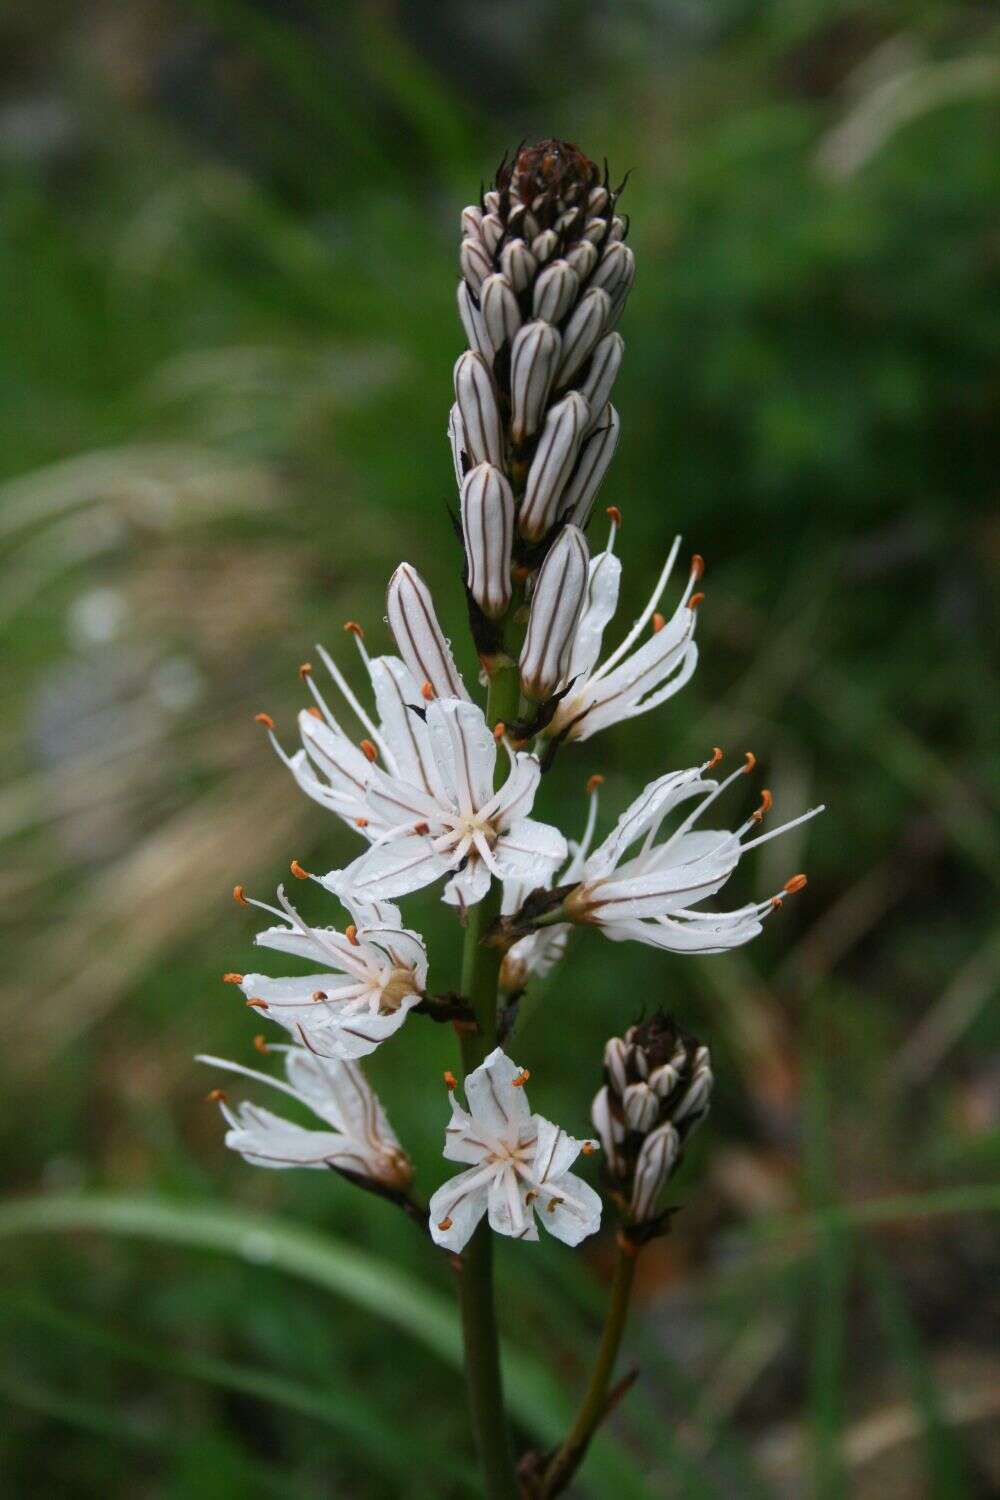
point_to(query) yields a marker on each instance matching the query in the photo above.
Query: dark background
(228, 241)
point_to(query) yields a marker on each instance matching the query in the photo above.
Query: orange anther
(658, 623)
(368, 750)
(695, 600)
(766, 803)
(264, 719)
(450, 1081)
(499, 731)
(361, 822)
(215, 1096)
(593, 782)
(777, 901)
(520, 1080)
(614, 514)
(232, 978)
(588, 1148)
(354, 628)
(260, 1042)
(257, 1004)
(305, 669)
(421, 828)
(751, 760)
(298, 871)
(319, 995)
(426, 691)
(445, 1224)
(351, 934)
(716, 758)
(312, 709)
(553, 1204)
(796, 883)
(697, 566)
(240, 895)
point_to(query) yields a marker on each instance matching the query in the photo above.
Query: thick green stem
(595, 1402)
(480, 977)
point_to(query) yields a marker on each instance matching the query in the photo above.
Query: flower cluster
(437, 790)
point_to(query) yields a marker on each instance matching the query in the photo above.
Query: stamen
(751, 761)
(445, 1224)
(796, 883)
(368, 750)
(450, 1081)
(633, 635)
(260, 1042)
(361, 822)
(319, 995)
(232, 978)
(695, 600)
(614, 515)
(264, 719)
(697, 566)
(766, 803)
(553, 1204)
(499, 731)
(426, 691)
(716, 759)
(216, 1096)
(240, 895)
(316, 713)
(588, 1148)
(298, 871)
(593, 782)
(531, 1195)
(305, 670)
(351, 934)
(658, 622)
(421, 828)
(354, 628)
(520, 1080)
(257, 1004)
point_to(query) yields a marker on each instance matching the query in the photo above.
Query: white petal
(515, 798)
(401, 710)
(530, 850)
(461, 1140)
(508, 1212)
(598, 608)
(465, 751)
(467, 886)
(573, 1212)
(340, 1094)
(496, 1104)
(266, 1140)
(555, 1152)
(394, 869)
(353, 1036)
(728, 930)
(459, 1205)
(652, 804)
(400, 804)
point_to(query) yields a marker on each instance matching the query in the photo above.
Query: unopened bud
(475, 261)
(534, 359)
(641, 1107)
(501, 314)
(552, 465)
(602, 373)
(472, 323)
(518, 264)
(615, 271)
(555, 291)
(583, 258)
(488, 532)
(589, 320)
(419, 637)
(595, 459)
(657, 1159)
(456, 439)
(560, 590)
(475, 395)
(544, 245)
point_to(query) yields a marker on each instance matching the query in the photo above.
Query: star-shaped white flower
(649, 897)
(373, 975)
(454, 822)
(358, 1137)
(633, 679)
(519, 1166)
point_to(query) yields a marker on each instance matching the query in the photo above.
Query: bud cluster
(545, 273)
(657, 1086)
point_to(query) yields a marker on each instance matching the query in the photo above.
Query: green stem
(594, 1404)
(480, 978)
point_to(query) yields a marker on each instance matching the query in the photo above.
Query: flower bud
(594, 461)
(456, 438)
(491, 231)
(583, 258)
(657, 1084)
(419, 637)
(603, 372)
(518, 264)
(588, 322)
(555, 291)
(500, 312)
(533, 361)
(488, 532)
(555, 456)
(472, 323)
(471, 221)
(560, 590)
(543, 246)
(475, 261)
(476, 396)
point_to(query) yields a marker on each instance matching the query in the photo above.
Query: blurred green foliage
(227, 260)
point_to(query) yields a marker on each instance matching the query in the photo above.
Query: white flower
(630, 681)
(453, 821)
(374, 974)
(538, 953)
(519, 1166)
(650, 896)
(358, 1137)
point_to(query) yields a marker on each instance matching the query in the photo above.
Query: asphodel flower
(517, 1166)
(556, 601)
(357, 1139)
(651, 895)
(657, 1088)
(371, 977)
(488, 533)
